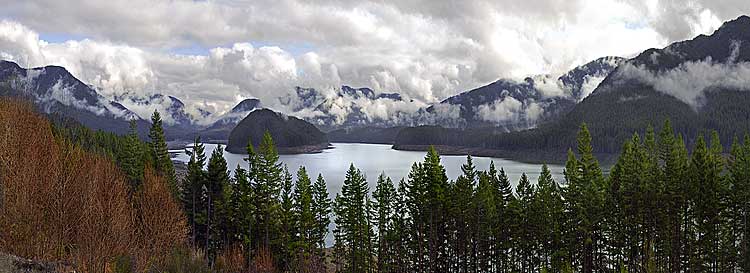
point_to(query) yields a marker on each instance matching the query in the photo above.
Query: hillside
(290, 134)
(699, 84)
(53, 90)
(373, 135)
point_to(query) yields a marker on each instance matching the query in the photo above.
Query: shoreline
(525, 156)
(304, 149)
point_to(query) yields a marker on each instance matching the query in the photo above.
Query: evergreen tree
(585, 195)
(384, 198)
(132, 157)
(352, 223)
(507, 209)
(485, 230)
(287, 219)
(527, 224)
(266, 172)
(462, 215)
(218, 193)
(739, 175)
(159, 153)
(306, 224)
(192, 184)
(551, 226)
(243, 206)
(321, 207)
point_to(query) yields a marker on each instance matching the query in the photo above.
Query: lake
(374, 159)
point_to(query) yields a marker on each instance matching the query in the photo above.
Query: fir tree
(352, 223)
(243, 206)
(132, 157)
(266, 172)
(192, 184)
(159, 153)
(585, 195)
(217, 185)
(384, 197)
(287, 219)
(306, 225)
(321, 207)
(462, 215)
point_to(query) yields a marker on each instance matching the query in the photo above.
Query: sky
(212, 54)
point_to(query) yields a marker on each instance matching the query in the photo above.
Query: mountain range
(699, 85)
(53, 90)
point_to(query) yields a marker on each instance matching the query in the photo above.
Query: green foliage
(159, 153)
(660, 209)
(321, 208)
(353, 227)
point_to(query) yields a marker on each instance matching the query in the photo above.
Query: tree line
(660, 209)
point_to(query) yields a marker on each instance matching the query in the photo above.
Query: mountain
(177, 121)
(171, 109)
(219, 130)
(290, 134)
(341, 107)
(53, 90)
(515, 105)
(699, 84)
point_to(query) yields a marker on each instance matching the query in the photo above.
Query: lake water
(374, 159)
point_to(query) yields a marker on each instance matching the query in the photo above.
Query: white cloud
(425, 50)
(689, 81)
(510, 111)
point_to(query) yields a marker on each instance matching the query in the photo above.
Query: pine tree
(132, 157)
(287, 219)
(266, 172)
(352, 223)
(552, 221)
(436, 211)
(243, 206)
(384, 198)
(462, 215)
(527, 225)
(192, 184)
(706, 203)
(401, 232)
(485, 231)
(585, 195)
(306, 225)
(739, 175)
(217, 185)
(321, 207)
(159, 153)
(506, 206)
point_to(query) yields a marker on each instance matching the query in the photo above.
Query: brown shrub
(161, 222)
(58, 202)
(232, 260)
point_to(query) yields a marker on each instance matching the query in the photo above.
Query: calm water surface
(374, 159)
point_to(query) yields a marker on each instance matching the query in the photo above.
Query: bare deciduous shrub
(62, 203)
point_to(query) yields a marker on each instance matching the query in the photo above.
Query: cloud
(682, 19)
(589, 84)
(510, 111)
(689, 81)
(424, 50)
